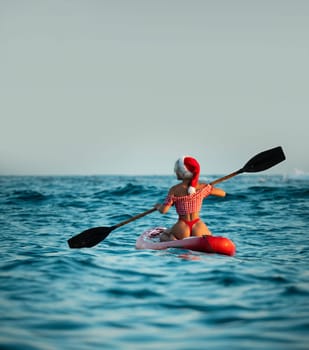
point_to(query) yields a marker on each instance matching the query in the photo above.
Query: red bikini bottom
(190, 223)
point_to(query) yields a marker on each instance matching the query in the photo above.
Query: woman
(188, 198)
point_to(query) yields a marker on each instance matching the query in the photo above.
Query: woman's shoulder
(178, 190)
(181, 190)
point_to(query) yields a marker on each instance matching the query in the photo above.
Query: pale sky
(128, 86)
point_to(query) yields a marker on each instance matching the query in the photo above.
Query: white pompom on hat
(188, 168)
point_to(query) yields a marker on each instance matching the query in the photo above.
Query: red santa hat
(188, 168)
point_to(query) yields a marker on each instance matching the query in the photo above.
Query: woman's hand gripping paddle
(262, 161)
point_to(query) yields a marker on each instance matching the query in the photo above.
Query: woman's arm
(165, 206)
(217, 192)
(162, 208)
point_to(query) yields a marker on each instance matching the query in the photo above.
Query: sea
(113, 296)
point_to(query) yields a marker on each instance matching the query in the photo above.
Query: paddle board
(208, 244)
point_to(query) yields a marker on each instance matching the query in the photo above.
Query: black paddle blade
(264, 160)
(90, 237)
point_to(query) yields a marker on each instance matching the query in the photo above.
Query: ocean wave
(26, 195)
(129, 189)
(287, 191)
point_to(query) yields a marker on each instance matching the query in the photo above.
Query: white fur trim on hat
(181, 169)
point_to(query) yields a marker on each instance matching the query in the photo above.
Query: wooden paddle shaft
(226, 177)
(136, 217)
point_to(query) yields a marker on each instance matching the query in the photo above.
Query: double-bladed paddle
(262, 161)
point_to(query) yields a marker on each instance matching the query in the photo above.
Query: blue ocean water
(115, 297)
